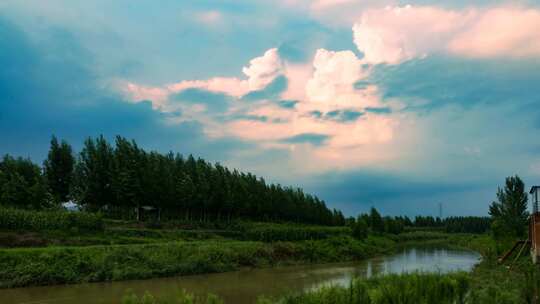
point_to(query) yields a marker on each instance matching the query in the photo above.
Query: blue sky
(393, 104)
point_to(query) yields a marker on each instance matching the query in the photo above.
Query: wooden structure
(533, 239)
(534, 224)
(148, 212)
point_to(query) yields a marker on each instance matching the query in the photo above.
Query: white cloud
(396, 34)
(501, 32)
(327, 84)
(332, 83)
(261, 71)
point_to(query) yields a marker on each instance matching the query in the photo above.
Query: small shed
(534, 224)
(148, 212)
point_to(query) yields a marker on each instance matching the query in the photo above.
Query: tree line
(119, 179)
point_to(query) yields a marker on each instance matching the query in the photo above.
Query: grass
(413, 288)
(123, 250)
(272, 232)
(17, 219)
(416, 288)
(182, 298)
(60, 265)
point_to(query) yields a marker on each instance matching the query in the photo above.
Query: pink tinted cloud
(501, 32)
(396, 34)
(210, 17)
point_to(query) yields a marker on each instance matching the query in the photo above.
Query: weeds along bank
(489, 283)
(390, 289)
(24, 220)
(63, 247)
(59, 265)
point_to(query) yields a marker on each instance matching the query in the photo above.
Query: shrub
(16, 219)
(266, 232)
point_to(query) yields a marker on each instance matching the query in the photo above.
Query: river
(243, 287)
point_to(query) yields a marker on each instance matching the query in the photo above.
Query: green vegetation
(390, 289)
(22, 185)
(166, 215)
(16, 219)
(267, 232)
(57, 265)
(182, 298)
(127, 182)
(58, 170)
(509, 213)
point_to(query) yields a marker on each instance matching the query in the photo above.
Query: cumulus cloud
(332, 83)
(396, 34)
(500, 32)
(254, 109)
(261, 71)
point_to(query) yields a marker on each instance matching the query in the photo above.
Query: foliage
(58, 170)
(391, 289)
(59, 265)
(182, 298)
(360, 229)
(453, 224)
(22, 185)
(467, 224)
(271, 232)
(509, 213)
(116, 180)
(17, 219)
(375, 221)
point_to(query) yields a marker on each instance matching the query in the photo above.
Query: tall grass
(416, 288)
(59, 265)
(182, 298)
(269, 232)
(391, 289)
(16, 219)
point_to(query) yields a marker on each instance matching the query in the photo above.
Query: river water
(243, 287)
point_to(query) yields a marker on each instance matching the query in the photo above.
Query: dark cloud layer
(49, 88)
(310, 138)
(440, 81)
(271, 91)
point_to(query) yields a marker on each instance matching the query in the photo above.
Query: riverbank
(20, 267)
(488, 283)
(247, 285)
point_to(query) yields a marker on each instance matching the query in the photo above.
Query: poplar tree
(58, 170)
(509, 212)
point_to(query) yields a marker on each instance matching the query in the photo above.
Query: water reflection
(245, 286)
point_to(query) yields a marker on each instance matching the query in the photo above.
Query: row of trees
(119, 179)
(374, 222)
(454, 224)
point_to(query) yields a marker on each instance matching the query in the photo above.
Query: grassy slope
(128, 251)
(54, 265)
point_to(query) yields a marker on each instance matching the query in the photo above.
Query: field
(122, 250)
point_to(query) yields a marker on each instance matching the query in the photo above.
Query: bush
(404, 288)
(16, 219)
(60, 265)
(266, 232)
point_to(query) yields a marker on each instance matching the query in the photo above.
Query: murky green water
(242, 287)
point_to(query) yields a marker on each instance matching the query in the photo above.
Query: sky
(398, 105)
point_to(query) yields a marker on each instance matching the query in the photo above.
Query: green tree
(58, 170)
(22, 184)
(376, 221)
(509, 212)
(360, 229)
(93, 183)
